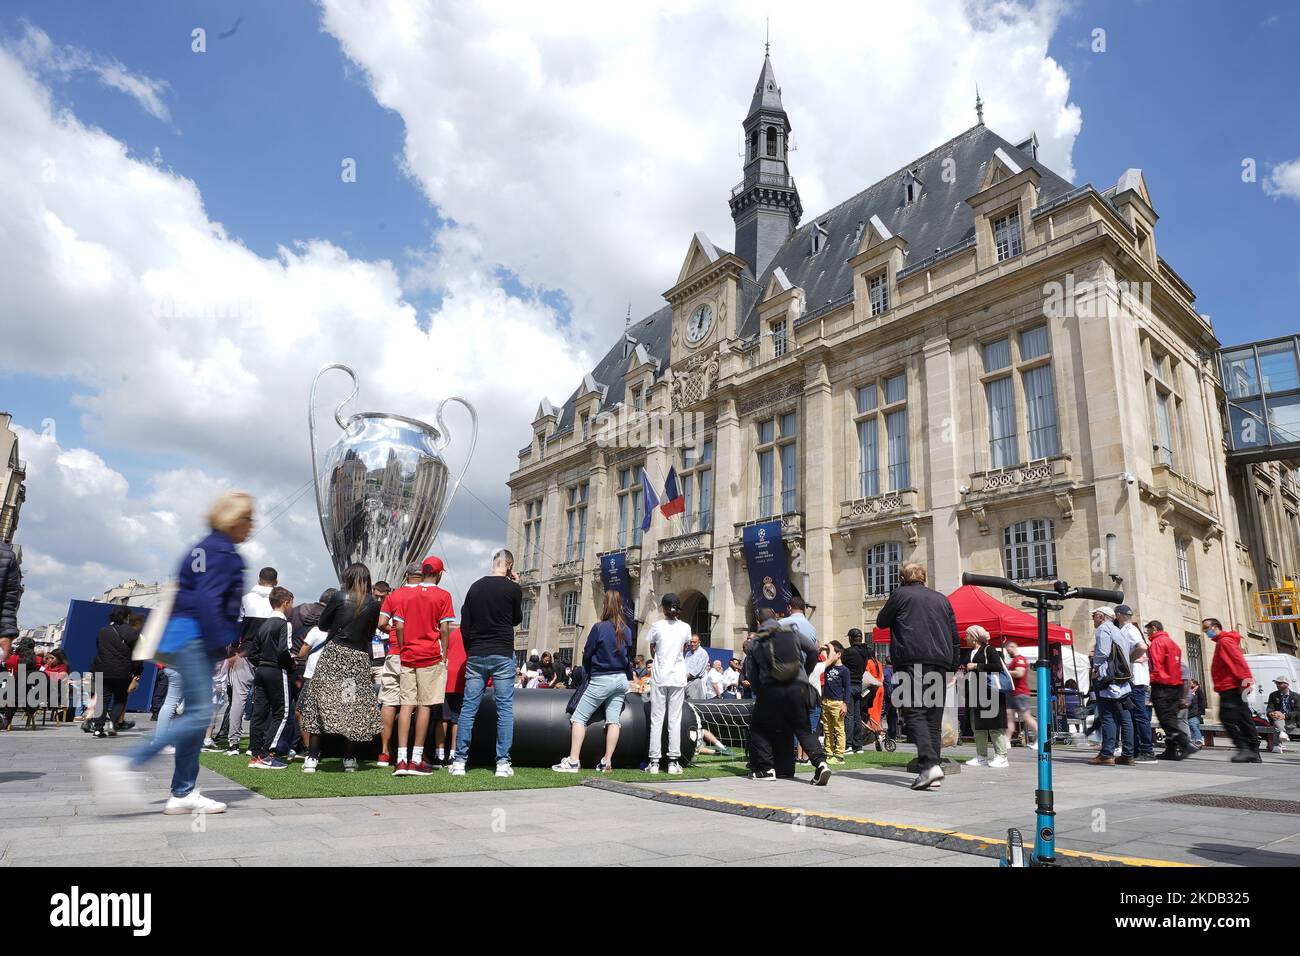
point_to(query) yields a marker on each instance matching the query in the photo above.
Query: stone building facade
(972, 363)
(13, 474)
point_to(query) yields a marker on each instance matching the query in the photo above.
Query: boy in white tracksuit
(668, 639)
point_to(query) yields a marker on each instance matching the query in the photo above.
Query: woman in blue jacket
(608, 670)
(204, 621)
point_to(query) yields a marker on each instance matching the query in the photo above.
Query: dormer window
(780, 342)
(637, 404)
(819, 236)
(771, 141)
(878, 293)
(911, 188)
(1006, 235)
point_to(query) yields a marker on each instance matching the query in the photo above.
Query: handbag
(999, 681)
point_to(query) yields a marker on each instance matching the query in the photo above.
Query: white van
(1265, 667)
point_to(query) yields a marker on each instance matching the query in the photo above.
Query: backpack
(1118, 667)
(779, 658)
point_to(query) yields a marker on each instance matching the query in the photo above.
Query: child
(271, 704)
(835, 702)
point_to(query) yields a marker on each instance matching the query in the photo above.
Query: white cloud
(42, 55)
(179, 340)
(1283, 180)
(584, 143)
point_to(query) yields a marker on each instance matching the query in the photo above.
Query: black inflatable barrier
(541, 734)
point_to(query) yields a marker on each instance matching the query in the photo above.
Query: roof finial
(767, 42)
(627, 323)
(979, 105)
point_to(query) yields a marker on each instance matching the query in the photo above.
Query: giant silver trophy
(382, 490)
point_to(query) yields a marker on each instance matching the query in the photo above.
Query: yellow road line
(983, 841)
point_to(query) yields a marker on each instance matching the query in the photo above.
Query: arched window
(753, 144)
(771, 141)
(883, 561)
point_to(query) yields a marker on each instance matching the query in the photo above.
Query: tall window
(771, 141)
(1007, 393)
(1029, 550)
(753, 144)
(571, 609)
(1000, 394)
(586, 426)
(867, 422)
(1006, 235)
(638, 405)
(1195, 657)
(779, 342)
(526, 609)
(1166, 406)
(532, 534)
(575, 542)
(878, 293)
(697, 486)
(883, 561)
(778, 464)
(896, 432)
(1184, 563)
(631, 507)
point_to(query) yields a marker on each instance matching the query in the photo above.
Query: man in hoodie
(1168, 691)
(254, 611)
(274, 662)
(1232, 680)
(926, 651)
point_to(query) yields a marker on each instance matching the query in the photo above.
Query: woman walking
(205, 619)
(986, 701)
(606, 664)
(340, 699)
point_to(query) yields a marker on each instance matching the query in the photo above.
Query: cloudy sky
(179, 250)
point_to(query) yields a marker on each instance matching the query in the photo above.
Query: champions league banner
(765, 557)
(614, 577)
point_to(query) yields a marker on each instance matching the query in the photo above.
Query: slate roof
(940, 220)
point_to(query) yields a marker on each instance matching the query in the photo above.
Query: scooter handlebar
(988, 581)
(1099, 594)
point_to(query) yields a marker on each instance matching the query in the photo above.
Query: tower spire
(979, 106)
(767, 40)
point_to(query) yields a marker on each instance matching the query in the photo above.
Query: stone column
(821, 510)
(728, 467)
(944, 471)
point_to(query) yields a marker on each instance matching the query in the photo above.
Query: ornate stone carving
(910, 529)
(771, 397)
(1065, 501)
(982, 516)
(693, 381)
(1213, 534)
(847, 538)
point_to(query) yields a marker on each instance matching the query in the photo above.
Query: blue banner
(614, 577)
(765, 557)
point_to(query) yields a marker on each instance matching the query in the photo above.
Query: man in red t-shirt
(390, 672)
(1018, 704)
(422, 628)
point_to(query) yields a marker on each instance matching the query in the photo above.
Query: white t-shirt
(315, 639)
(668, 640)
(1141, 669)
(716, 681)
(730, 679)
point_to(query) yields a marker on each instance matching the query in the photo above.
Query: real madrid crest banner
(765, 558)
(614, 577)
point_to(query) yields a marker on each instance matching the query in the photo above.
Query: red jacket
(1166, 658)
(1229, 668)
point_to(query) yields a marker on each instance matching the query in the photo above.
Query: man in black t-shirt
(855, 659)
(492, 609)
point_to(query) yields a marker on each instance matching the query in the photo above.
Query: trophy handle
(442, 441)
(311, 428)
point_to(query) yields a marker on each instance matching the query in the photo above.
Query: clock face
(698, 325)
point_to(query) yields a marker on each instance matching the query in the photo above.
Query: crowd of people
(367, 661)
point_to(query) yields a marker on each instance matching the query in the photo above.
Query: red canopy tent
(973, 605)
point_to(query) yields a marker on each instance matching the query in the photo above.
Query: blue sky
(262, 121)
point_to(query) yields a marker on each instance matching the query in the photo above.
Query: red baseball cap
(433, 565)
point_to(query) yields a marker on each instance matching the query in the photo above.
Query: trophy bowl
(383, 487)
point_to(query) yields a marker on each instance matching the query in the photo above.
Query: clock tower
(765, 204)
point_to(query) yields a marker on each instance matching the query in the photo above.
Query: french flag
(674, 499)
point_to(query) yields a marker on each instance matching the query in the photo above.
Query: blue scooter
(1041, 600)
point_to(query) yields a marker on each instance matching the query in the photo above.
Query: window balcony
(695, 547)
(1046, 478)
(1172, 493)
(876, 511)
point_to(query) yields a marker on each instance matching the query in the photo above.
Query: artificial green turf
(370, 780)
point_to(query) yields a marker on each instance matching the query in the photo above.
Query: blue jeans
(1115, 718)
(185, 733)
(477, 671)
(607, 689)
(1194, 724)
(1146, 745)
(167, 712)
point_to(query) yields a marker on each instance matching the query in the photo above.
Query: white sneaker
(310, 764)
(999, 763)
(927, 778)
(457, 768)
(505, 770)
(977, 762)
(194, 803)
(1033, 747)
(169, 750)
(653, 766)
(674, 768)
(113, 781)
(566, 766)
(349, 764)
